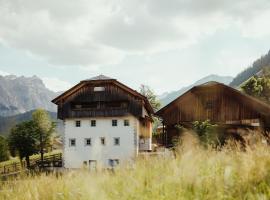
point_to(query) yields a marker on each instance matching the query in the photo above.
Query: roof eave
(262, 104)
(81, 83)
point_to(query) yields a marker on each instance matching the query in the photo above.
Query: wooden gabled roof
(104, 79)
(252, 102)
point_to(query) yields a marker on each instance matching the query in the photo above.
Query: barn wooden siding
(146, 128)
(214, 102)
(128, 103)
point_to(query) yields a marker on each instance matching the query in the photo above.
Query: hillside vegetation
(195, 173)
(254, 69)
(6, 123)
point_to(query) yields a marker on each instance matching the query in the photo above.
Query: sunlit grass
(17, 160)
(196, 173)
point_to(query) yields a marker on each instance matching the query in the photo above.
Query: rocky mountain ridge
(22, 94)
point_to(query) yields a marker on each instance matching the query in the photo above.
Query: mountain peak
(99, 77)
(167, 98)
(21, 94)
(10, 77)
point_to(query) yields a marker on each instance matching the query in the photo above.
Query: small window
(102, 141)
(87, 141)
(116, 141)
(78, 123)
(72, 142)
(126, 122)
(113, 162)
(93, 123)
(99, 89)
(114, 122)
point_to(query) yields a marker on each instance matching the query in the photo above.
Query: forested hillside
(255, 68)
(6, 123)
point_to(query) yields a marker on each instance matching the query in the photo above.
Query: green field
(195, 173)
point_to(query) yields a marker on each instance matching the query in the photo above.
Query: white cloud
(257, 27)
(90, 33)
(3, 73)
(243, 59)
(56, 84)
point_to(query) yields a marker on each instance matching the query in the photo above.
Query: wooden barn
(218, 103)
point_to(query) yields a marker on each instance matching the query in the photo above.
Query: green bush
(4, 153)
(208, 133)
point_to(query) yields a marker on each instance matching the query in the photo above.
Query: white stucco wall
(125, 152)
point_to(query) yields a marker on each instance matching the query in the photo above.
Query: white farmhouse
(106, 123)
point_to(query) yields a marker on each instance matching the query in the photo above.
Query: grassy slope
(16, 159)
(195, 174)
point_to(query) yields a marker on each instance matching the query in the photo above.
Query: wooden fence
(54, 160)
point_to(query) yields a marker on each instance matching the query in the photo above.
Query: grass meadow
(195, 173)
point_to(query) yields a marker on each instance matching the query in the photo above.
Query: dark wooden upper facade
(101, 97)
(215, 102)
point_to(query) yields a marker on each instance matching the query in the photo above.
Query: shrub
(209, 134)
(4, 154)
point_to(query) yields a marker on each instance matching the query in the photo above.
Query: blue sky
(165, 44)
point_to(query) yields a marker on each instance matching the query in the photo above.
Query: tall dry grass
(195, 173)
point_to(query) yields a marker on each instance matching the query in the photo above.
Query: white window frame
(79, 122)
(95, 122)
(103, 138)
(85, 142)
(70, 142)
(128, 122)
(99, 89)
(114, 141)
(114, 120)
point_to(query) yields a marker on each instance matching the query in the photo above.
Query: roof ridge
(99, 77)
(220, 84)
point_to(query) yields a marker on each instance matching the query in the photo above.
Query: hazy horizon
(54, 89)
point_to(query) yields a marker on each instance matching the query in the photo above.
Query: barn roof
(252, 102)
(102, 79)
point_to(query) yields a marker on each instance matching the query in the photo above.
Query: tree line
(259, 86)
(255, 68)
